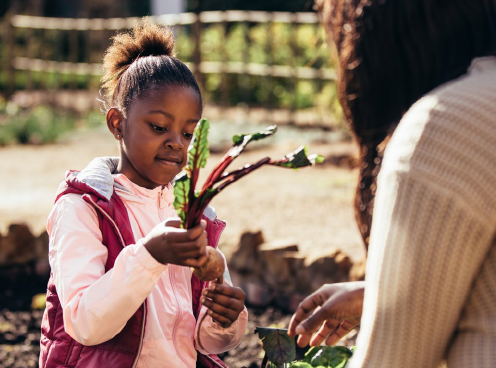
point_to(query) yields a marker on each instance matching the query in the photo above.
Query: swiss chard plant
(190, 203)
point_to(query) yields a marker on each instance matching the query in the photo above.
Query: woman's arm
(427, 247)
(96, 304)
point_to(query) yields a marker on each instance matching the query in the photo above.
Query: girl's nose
(174, 143)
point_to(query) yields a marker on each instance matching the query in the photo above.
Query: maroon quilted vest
(57, 348)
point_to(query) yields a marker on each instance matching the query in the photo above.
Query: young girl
(121, 292)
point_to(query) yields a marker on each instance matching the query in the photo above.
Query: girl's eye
(188, 135)
(158, 128)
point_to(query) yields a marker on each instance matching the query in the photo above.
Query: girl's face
(155, 135)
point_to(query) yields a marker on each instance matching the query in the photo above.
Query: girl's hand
(328, 314)
(224, 303)
(168, 243)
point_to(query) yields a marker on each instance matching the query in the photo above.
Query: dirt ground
(311, 207)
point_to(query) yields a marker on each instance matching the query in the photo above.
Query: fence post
(268, 81)
(245, 90)
(30, 40)
(73, 56)
(9, 55)
(293, 43)
(224, 76)
(197, 58)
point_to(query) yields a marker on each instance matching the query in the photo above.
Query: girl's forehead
(172, 97)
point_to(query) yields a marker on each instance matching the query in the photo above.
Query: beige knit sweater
(431, 272)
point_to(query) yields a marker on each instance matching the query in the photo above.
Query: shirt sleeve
(427, 246)
(216, 339)
(96, 304)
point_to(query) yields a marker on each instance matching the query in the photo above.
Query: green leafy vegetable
(278, 346)
(324, 357)
(189, 204)
(300, 365)
(299, 158)
(242, 140)
(181, 193)
(198, 151)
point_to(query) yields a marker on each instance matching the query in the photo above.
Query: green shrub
(40, 125)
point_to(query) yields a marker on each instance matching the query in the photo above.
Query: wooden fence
(54, 54)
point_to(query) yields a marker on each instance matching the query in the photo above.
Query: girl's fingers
(195, 262)
(225, 301)
(221, 310)
(226, 295)
(171, 234)
(194, 252)
(227, 290)
(172, 222)
(220, 319)
(186, 250)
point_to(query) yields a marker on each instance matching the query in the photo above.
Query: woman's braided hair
(391, 53)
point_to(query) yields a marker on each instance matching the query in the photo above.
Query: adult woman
(424, 69)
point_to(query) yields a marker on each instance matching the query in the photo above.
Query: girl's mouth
(169, 161)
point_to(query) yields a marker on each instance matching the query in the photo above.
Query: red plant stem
(198, 333)
(265, 361)
(194, 216)
(217, 171)
(235, 172)
(194, 178)
(199, 205)
(238, 174)
(277, 162)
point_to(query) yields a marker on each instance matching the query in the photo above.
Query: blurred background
(258, 63)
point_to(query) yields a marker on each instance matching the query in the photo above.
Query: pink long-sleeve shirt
(97, 305)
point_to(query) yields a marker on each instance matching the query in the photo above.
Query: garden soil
(311, 207)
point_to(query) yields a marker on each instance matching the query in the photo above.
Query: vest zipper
(173, 285)
(142, 332)
(159, 205)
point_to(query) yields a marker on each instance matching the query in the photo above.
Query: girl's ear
(114, 123)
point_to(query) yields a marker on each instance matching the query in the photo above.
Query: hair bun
(145, 39)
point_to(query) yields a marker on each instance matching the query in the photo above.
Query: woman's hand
(168, 243)
(339, 313)
(224, 303)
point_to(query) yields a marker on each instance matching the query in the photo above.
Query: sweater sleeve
(425, 251)
(96, 305)
(216, 339)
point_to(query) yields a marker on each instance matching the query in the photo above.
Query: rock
(357, 271)
(279, 246)
(276, 272)
(42, 266)
(19, 246)
(246, 259)
(331, 268)
(42, 246)
(258, 295)
(288, 301)
(282, 263)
